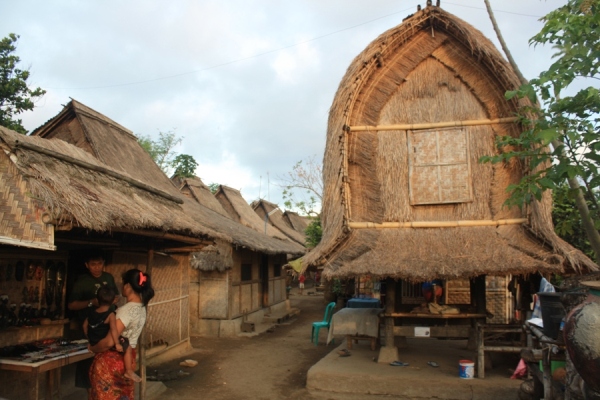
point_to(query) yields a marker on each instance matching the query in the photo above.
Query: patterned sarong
(108, 379)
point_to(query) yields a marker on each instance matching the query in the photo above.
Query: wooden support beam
(432, 125)
(435, 224)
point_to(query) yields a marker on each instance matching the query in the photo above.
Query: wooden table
(50, 366)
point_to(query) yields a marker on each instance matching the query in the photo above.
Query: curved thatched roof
(239, 210)
(266, 209)
(74, 189)
(384, 179)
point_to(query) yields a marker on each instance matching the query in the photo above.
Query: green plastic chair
(316, 326)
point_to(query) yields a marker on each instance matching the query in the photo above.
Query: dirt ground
(270, 366)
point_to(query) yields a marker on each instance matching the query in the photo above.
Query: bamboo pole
(431, 125)
(142, 339)
(435, 224)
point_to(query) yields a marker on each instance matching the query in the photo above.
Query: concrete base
(387, 354)
(358, 376)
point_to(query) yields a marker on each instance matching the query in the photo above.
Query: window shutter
(439, 166)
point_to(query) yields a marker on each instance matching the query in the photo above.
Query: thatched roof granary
(405, 196)
(272, 213)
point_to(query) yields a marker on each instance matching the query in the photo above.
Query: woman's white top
(133, 316)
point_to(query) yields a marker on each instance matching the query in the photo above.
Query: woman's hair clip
(142, 278)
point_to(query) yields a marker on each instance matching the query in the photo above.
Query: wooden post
(480, 352)
(389, 352)
(142, 339)
(478, 300)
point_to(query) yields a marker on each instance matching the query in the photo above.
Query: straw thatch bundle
(217, 257)
(405, 196)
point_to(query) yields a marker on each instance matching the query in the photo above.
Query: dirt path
(270, 366)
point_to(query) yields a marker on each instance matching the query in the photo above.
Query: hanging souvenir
(30, 270)
(39, 272)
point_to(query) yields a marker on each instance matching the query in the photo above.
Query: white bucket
(466, 369)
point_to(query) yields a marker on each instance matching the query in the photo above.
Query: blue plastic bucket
(466, 369)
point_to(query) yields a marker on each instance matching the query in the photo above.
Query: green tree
(15, 96)
(313, 233)
(303, 186)
(161, 150)
(566, 218)
(185, 166)
(213, 187)
(569, 124)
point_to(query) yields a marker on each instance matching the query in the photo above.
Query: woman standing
(107, 373)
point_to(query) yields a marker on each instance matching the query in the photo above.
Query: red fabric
(428, 293)
(301, 279)
(107, 376)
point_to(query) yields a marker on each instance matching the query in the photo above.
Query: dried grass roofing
(73, 187)
(275, 218)
(433, 67)
(239, 235)
(108, 141)
(238, 209)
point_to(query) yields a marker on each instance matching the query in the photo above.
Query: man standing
(83, 300)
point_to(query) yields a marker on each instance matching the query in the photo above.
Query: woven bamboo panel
(168, 311)
(20, 217)
(439, 166)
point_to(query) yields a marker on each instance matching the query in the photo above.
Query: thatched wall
(432, 68)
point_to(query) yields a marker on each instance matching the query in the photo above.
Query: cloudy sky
(246, 83)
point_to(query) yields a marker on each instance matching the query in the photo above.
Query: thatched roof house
(296, 221)
(207, 210)
(270, 212)
(405, 196)
(239, 210)
(66, 188)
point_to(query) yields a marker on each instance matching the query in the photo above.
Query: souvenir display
(36, 291)
(42, 349)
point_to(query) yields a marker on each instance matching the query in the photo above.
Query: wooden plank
(433, 316)
(457, 331)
